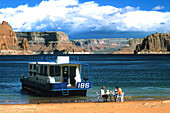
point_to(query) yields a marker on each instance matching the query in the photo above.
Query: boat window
(34, 67)
(73, 70)
(72, 75)
(30, 73)
(52, 71)
(34, 73)
(41, 70)
(30, 66)
(45, 70)
(57, 71)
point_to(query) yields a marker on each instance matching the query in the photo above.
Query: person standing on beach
(118, 93)
(103, 94)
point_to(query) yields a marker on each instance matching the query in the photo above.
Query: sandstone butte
(9, 41)
(158, 43)
(24, 44)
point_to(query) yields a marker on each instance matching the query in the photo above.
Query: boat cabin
(61, 70)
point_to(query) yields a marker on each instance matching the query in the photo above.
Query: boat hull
(51, 90)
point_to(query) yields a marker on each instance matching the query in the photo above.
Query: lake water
(142, 77)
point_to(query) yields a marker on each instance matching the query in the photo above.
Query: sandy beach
(150, 106)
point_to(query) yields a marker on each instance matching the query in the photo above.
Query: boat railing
(72, 59)
(23, 76)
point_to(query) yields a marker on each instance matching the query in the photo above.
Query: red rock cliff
(155, 43)
(8, 39)
(25, 44)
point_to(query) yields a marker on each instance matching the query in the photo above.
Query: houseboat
(57, 76)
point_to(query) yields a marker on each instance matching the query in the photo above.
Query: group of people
(118, 92)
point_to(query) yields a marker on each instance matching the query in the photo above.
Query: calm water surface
(142, 77)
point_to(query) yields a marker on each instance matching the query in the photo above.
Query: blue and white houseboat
(57, 76)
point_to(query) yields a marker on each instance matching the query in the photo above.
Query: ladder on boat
(65, 92)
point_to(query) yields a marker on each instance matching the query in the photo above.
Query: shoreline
(94, 100)
(144, 106)
(19, 52)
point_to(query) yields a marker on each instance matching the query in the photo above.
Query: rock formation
(102, 46)
(24, 44)
(109, 45)
(42, 37)
(9, 42)
(58, 42)
(130, 47)
(50, 43)
(158, 43)
(8, 39)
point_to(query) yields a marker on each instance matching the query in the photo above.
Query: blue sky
(89, 18)
(143, 4)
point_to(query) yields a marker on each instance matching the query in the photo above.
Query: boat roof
(54, 63)
(55, 60)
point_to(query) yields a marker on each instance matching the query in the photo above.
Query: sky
(88, 18)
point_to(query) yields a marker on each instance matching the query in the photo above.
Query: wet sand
(150, 106)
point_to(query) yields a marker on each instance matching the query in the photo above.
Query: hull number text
(83, 85)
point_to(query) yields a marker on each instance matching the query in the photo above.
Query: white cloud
(158, 7)
(72, 17)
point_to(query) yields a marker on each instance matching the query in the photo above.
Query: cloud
(75, 18)
(158, 8)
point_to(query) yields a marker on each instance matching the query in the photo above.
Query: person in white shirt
(102, 92)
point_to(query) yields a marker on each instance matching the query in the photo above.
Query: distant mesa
(158, 43)
(104, 45)
(130, 46)
(50, 43)
(58, 42)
